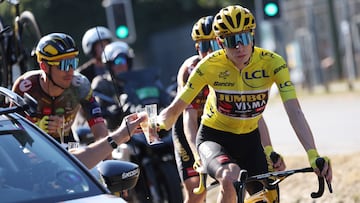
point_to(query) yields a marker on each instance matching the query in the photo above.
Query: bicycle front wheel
(30, 35)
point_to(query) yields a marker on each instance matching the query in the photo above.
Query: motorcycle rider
(93, 43)
(118, 57)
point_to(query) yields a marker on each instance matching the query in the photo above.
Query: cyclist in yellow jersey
(239, 78)
(185, 129)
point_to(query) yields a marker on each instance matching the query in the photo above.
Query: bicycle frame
(17, 43)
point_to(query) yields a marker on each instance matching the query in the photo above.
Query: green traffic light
(271, 9)
(122, 32)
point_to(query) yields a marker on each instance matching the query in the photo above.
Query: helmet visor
(120, 60)
(206, 45)
(214, 45)
(65, 64)
(242, 38)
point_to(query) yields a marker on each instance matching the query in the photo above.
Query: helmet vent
(246, 21)
(228, 18)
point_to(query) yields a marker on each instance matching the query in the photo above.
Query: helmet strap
(49, 75)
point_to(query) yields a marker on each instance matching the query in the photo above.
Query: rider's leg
(190, 184)
(224, 154)
(226, 175)
(185, 161)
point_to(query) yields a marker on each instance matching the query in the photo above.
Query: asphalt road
(333, 118)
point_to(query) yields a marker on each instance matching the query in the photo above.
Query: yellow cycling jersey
(238, 98)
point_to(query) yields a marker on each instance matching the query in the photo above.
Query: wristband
(161, 125)
(127, 127)
(268, 149)
(312, 156)
(112, 142)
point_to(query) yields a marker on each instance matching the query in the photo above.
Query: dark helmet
(202, 29)
(56, 46)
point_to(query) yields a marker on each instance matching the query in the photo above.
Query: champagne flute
(61, 131)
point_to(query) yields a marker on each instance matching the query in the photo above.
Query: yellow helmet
(202, 29)
(233, 19)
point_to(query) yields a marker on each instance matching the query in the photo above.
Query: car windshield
(34, 168)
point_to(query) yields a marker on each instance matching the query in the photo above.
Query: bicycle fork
(240, 186)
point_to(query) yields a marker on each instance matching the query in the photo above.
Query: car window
(32, 167)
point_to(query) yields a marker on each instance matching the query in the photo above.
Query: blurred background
(320, 39)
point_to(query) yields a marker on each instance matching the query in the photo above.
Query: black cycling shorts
(183, 154)
(217, 148)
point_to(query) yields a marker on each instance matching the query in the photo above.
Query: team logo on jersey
(199, 72)
(257, 74)
(60, 111)
(223, 159)
(224, 74)
(96, 110)
(242, 105)
(190, 85)
(286, 86)
(224, 84)
(278, 69)
(25, 85)
(266, 55)
(46, 111)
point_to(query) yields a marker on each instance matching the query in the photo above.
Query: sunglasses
(243, 38)
(65, 64)
(204, 46)
(120, 60)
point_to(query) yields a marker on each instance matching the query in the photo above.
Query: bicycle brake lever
(274, 157)
(320, 164)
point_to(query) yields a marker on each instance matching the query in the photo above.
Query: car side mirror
(119, 175)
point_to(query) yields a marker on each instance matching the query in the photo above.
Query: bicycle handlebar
(283, 174)
(320, 164)
(279, 175)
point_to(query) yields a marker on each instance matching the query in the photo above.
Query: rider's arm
(299, 123)
(169, 115)
(304, 134)
(190, 115)
(264, 133)
(279, 165)
(190, 121)
(101, 149)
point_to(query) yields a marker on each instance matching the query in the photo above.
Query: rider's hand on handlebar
(197, 164)
(274, 159)
(326, 171)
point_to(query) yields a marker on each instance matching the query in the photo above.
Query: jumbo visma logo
(242, 105)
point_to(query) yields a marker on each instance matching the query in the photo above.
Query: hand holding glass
(149, 127)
